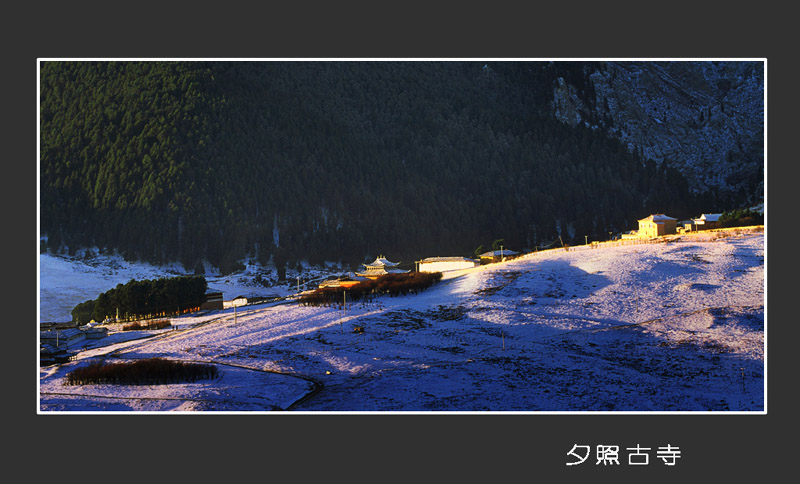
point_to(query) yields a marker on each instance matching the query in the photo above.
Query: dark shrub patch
(152, 371)
(391, 284)
(144, 325)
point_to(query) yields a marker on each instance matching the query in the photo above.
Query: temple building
(380, 267)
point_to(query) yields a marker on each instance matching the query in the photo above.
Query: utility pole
(344, 307)
(743, 389)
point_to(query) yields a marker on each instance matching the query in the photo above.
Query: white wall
(444, 266)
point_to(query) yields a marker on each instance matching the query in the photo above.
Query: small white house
(445, 264)
(707, 221)
(238, 301)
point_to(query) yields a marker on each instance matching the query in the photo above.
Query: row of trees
(741, 217)
(328, 161)
(143, 299)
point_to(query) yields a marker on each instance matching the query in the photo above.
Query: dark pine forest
(329, 161)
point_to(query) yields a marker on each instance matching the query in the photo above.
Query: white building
(445, 264)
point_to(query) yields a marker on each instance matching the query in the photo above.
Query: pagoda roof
(372, 272)
(381, 261)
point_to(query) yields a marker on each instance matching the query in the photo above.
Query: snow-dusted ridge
(667, 327)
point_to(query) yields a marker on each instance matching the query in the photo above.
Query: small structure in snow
(50, 354)
(63, 339)
(656, 225)
(380, 267)
(498, 255)
(252, 298)
(94, 332)
(445, 264)
(235, 302)
(684, 226)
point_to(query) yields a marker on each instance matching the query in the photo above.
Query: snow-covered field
(676, 326)
(67, 281)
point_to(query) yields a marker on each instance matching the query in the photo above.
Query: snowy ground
(67, 281)
(663, 327)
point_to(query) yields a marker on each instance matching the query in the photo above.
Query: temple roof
(381, 261)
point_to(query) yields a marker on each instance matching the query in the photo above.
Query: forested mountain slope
(338, 160)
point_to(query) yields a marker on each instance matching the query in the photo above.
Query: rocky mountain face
(705, 118)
